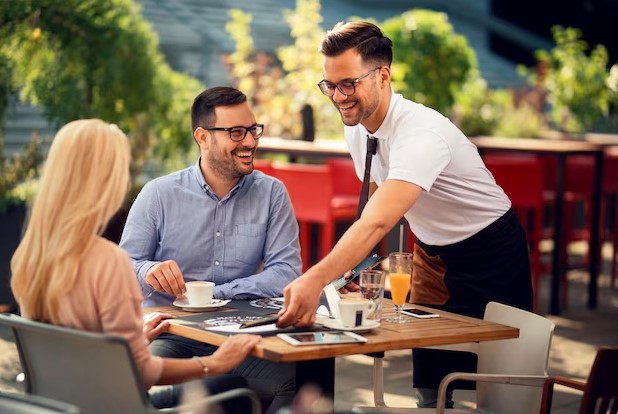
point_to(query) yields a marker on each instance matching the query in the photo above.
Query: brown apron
(492, 265)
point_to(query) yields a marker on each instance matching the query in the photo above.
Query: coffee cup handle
(371, 307)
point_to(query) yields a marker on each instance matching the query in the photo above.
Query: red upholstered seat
(311, 189)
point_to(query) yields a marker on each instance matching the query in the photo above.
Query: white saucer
(216, 303)
(336, 324)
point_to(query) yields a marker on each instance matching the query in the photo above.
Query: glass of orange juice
(400, 272)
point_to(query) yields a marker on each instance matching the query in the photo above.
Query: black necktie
(372, 146)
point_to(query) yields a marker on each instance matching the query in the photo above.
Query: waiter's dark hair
(365, 37)
(203, 108)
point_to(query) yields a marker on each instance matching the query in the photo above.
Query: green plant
(431, 62)
(612, 85)
(18, 174)
(279, 87)
(90, 58)
(480, 110)
(575, 81)
(477, 109)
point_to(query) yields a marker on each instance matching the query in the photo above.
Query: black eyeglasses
(238, 133)
(346, 87)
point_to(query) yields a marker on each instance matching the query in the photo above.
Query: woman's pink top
(106, 298)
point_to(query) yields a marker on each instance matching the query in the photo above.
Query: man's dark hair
(365, 37)
(203, 108)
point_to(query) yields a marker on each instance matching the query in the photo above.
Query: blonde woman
(64, 273)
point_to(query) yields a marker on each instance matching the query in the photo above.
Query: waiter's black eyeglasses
(346, 87)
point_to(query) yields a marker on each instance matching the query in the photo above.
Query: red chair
(311, 191)
(347, 188)
(263, 165)
(600, 391)
(521, 178)
(346, 184)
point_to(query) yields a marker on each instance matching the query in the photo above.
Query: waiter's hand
(166, 277)
(301, 300)
(351, 286)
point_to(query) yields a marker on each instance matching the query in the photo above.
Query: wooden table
(560, 149)
(317, 363)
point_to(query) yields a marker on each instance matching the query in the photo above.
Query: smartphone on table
(419, 313)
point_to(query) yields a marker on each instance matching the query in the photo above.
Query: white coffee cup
(199, 293)
(354, 311)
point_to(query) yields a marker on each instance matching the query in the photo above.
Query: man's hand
(155, 324)
(166, 277)
(351, 286)
(301, 299)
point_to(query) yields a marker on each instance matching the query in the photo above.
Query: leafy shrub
(18, 174)
(575, 81)
(431, 63)
(280, 86)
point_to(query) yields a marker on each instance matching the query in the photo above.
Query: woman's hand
(231, 353)
(155, 323)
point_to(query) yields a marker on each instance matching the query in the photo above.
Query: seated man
(217, 221)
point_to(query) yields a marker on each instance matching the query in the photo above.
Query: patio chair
(600, 391)
(32, 404)
(510, 373)
(95, 372)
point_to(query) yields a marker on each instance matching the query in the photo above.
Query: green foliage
(521, 121)
(431, 62)
(612, 85)
(91, 58)
(4, 90)
(575, 81)
(483, 111)
(77, 58)
(279, 88)
(478, 109)
(17, 170)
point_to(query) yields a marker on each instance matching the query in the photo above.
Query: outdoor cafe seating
(93, 371)
(510, 372)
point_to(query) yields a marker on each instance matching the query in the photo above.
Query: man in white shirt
(470, 247)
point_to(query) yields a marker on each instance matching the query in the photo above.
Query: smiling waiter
(470, 248)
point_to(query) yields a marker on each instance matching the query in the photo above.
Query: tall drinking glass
(400, 272)
(372, 288)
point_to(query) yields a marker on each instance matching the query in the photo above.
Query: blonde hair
(84, 183)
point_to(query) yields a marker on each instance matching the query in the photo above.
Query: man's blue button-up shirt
(246, 242)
